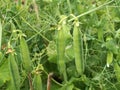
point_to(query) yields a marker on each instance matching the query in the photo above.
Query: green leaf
(70, 87)
(72, 71)
(111, 45)
(4, 73)
(69, 52)
(52, 52)
(67, 87)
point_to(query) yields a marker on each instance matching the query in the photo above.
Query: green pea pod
(109, 58)
(100, 34)
(14, 73)
(61, 51)
(117, 71)
(37, 82)
(25, 55)
(1, 56)
(78, 49)
(0, 34)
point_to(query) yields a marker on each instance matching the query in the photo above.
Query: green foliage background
(38, 21)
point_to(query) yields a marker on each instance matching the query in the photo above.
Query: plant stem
(95, 9)
(30, 81)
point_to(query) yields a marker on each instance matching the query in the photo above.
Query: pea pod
(61, 51)
(100, 34)
(37, 82)
(117, 71)
(25, 55)
(0, 34)
(78, 49)
(1, 56)
(109, 58)
(14, 73)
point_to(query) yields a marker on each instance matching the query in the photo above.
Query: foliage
(39, 45)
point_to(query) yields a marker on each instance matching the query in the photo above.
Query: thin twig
(36, 9)
(30, 81)
(54, 80)
(49, 80)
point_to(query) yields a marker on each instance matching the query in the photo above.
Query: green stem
(90, 11)
(35, 30)
(53, 79)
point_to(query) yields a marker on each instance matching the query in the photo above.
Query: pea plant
(59, 45)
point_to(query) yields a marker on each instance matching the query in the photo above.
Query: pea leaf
(111, 45)
(4, 73)
(52, 52)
